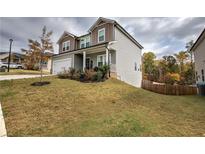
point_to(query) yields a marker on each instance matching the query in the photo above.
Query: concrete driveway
(13, 77)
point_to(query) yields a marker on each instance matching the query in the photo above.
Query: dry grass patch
(110, 108)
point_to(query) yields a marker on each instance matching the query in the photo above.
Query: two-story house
(106, 43)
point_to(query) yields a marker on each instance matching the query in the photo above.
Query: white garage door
(61, 65)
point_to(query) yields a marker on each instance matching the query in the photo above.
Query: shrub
(104, 70)
(71, 72)
(88, 75)
(95, 69)
(97, 76)
(64, 74)
(76, 75)
(171, 78)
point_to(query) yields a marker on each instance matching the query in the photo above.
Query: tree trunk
(41, 69)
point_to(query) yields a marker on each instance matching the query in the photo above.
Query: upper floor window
(85, 42)
(82, 43)
(66, 46)
(101, 35)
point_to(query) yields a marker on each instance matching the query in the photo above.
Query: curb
(2, 124)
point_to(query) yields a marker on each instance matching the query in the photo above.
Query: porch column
(84, 60)
(107, 57)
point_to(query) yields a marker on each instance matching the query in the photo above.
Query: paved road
(12, 77)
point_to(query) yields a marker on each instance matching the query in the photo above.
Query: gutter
(104, 43)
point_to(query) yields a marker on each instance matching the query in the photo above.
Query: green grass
(110, 108)
(22, 72)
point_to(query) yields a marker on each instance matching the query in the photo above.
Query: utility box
(201, 89)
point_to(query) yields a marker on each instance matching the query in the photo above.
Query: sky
(163, 36)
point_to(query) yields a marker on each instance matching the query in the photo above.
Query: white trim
(102, 29)
(84, 60)
(73, 63)
(110, 58)
(63, 45)
(62, 59)
(107, 57)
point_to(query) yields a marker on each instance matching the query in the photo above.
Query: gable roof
(119, 27)
(3, 56)
(198, 41)
(101, 19)
(64, 34)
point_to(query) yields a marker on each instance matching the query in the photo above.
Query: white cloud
(161, 35)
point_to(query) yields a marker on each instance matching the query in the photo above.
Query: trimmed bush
(96, 74)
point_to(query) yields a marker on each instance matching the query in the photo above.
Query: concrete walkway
(13, 77)
(2, 124)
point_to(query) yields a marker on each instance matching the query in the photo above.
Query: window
(82, 43)
(85, 42)
(135, 66)
(101, 35)
(196, 76)
(66, 46)
(101, 60)
(202, 73)
(87, 63)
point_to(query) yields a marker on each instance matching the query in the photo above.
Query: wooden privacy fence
(168, 89)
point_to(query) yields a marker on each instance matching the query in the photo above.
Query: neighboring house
(106, 43)
(15, 57)
(47, 63)
(199, 55)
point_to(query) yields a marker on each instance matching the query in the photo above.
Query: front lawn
(22, 72)
(111, 108)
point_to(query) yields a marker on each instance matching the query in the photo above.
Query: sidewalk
(12, 77)
(2, 124)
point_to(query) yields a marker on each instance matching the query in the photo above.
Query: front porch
(95, 57)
